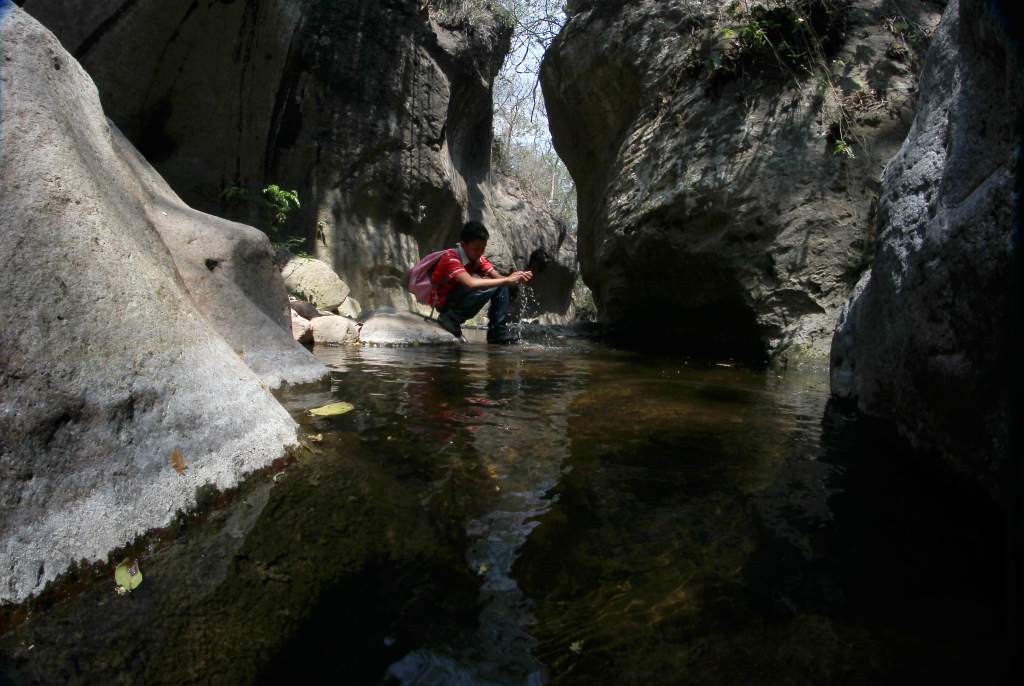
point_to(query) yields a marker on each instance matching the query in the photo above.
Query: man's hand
(518, 277)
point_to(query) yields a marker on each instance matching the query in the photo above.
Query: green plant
(235, 194)
(469, 12)
(280, 203)
(274, 205)
(843, 148)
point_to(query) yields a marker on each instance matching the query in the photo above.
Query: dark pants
(464, 303)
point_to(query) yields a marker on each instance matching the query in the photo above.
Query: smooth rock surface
(378, 113)
(302, 329)
(334, 330)
(229, 271)
(350, 308)
(315, 282)
(925, 341)
(714, 204)
(403, 329)
(90, 413)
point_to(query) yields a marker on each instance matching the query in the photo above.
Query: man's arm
(495, 279)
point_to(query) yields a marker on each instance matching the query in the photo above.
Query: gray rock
(404, 329)
(90, 411)
(388, 166)
(350, 308)
(334, 330)
(230, 273)
(714, 205)
(520, 226)
(315, 282)
(924, 342)
(306, 310)
(302, 328)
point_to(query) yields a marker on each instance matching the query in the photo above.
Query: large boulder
(378, 113)
(314, 282)
(135, 329)
(926, 340)
(710, 143)
(403, 329)
(334, 330)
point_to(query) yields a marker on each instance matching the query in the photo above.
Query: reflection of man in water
(464, 280)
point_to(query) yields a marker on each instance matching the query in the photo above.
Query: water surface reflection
(552, 513)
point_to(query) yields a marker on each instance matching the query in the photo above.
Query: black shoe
(450, 325)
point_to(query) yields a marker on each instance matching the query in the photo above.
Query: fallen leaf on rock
(332, 410)
(576, 647)
(178, 462)
(127, 575)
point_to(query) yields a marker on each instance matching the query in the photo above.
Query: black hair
(473, 231)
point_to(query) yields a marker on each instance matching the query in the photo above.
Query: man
(464, 280)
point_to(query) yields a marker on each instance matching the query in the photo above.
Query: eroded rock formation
(926, 340)
(134, 327)
(378, 113)
(710, 145)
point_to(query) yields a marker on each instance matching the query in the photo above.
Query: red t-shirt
(447, 267)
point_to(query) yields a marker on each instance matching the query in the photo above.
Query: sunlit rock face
(135, 328)
(717, 193)
(378, 113)
(927, 339)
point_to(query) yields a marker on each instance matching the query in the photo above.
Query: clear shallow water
(556, 513)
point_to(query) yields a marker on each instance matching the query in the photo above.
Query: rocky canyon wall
(928, 341)
(379, 112)
(727, 157)
(136, 329)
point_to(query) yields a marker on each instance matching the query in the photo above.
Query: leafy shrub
(468, 12)
(273, 204)
(788, 39)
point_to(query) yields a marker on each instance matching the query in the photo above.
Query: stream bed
(558, 512)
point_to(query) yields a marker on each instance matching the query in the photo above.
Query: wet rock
(712, 198)
(334, 330)
(315, 282)
(402, 329)
(387, 167)
(302, 329)
(90, 414)
(924, 342)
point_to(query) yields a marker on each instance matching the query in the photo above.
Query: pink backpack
(419, 276)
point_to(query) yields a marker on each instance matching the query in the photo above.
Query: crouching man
(464, 280)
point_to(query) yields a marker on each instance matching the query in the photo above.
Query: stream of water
(557, 512)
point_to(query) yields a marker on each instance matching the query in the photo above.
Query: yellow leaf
(178, 462)
(128, 575)
(332, 410)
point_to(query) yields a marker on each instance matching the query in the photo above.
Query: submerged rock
(925, 341)
(91, 414)
(716, 195)
(402, 329)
